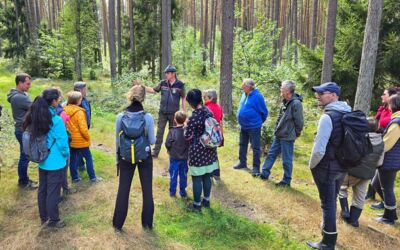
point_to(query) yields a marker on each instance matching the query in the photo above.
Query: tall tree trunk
(105, 26)
(98, 27)
(213, 30)
(131, 35)
(276, 42)
(314, 25)
(54, 10)
(17, 27)
(166, 33)
(78, 60)
(194, 23)
(119, 30)
(38, 16)
(368, 57)
(111, 42)
(295, 30)
(205, 37)
(50, 15)
(329, 42)
(227, 24)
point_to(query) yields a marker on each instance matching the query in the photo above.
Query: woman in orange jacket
(80, 136)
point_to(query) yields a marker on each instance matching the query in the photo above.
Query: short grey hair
(249, 82)
(211, 94)
(290, 85)
(79, 85)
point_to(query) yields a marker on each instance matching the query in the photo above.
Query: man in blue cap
(328, 174)
(172, 91)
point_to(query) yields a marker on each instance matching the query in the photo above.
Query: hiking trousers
(163, 118)
(126, 172)
(49, 193)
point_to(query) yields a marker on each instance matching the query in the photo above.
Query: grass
(246, 213)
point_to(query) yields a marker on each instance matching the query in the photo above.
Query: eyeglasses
(322, 93)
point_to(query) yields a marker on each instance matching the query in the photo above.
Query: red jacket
(383, 115)
(216, 110)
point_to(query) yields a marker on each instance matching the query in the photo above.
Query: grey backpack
(35, 148)
(133, 143)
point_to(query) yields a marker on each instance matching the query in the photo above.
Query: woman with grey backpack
(42, 124)
(134, 135)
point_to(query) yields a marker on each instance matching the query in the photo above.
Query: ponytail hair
(38, 119)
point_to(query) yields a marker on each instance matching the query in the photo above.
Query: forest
(216, 44)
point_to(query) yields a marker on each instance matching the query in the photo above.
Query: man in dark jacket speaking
(287, 128)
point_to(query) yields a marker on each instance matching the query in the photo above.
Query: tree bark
(166, 33)
(105, 26)
(17, 27)
(78, 60)
(276, 42)
(329, 42)
(111, 42)
(98, 27)
(213, 30)
(227, 24)
(368, 57)
(295, 30)
(194, 24)
(314, 25)
(119, 37)
(131, 35)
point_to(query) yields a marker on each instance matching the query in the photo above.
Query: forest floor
(246, 212)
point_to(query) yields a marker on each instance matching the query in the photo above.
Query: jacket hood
(338, 106)
(295, 97)
(12, 93)
(72, 109)
(396, 115)
(375, 138)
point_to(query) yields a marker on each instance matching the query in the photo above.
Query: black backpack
(355, 142)
(133, 143)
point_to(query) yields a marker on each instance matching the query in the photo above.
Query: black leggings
(126, 172)
(201, 183)
(386, 179)
(377, 185)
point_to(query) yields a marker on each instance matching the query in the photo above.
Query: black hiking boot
(345, 213)
(355, 214)
(328, 242)
(389, 217)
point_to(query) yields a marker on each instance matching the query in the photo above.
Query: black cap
(170, 68)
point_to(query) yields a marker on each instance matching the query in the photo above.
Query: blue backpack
(134, 145)
(35, 149)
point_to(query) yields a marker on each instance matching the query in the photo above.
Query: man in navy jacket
(251, 114)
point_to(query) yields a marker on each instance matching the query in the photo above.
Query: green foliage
(8, 29)
(351, 21)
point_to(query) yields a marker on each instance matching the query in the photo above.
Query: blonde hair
(136, 93)
(74, 97)
(180, 117)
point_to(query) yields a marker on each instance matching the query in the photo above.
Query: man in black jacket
(172, 92)
(287, 128)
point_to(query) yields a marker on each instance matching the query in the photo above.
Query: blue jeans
(254, 136)
(328, 183)
(23, 162)
(278, 147)
(178, 167)
(79, 153)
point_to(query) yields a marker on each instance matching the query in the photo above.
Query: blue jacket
(86, 105)
(57, 139)
(252, 111)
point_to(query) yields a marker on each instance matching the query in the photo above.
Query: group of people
(68, 140)
(66, 130)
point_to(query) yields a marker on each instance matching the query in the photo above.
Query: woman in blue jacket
(40, 120)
